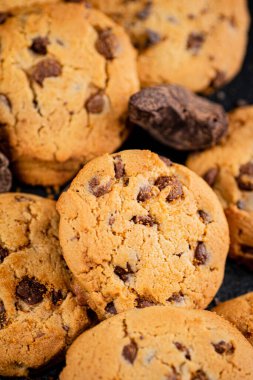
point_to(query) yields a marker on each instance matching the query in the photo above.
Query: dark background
(238, 280)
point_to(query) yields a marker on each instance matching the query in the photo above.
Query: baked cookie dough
(228, 168)
(39, 316)
(137, 230)
(239, 311)
(199, 44)
(161, 343)
(6, 5)
(65, 79)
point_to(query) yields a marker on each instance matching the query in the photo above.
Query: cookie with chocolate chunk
(137, 230)
(64, 88)
(161, 343)
(39, 315)
(177, 117)
(228, 169)
(239, 311)
(198, 44)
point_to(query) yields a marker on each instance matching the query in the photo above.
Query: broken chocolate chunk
(245, 178)
(130, 351)
(204, 216)
(201, 254)
(152, 38)
(110, 308)
(195, 41)
(200, 375)
(107, 44)
(30, 290)
(47, 68)
(143, 302)
(56, 296)
(176, 190)
(210, 176)
(97, 189)
(39, 45)
(224, 347)
(177, 117)
(176, 297)
(146, 220)
(3, 254)
(5, 174)
(123, 273)
(95, 104)
(144, 194)
(163, 182)
(119, 167)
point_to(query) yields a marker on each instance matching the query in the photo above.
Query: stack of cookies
(116, 275)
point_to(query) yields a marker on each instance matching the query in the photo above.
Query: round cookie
(161, 343)
(198, 44)
(6, 5)
(66, 79)
(39, 316)
(239, 311)
(137, 230)
(228, 168)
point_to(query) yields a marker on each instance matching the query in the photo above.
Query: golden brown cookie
(65, 81)
(39, 316)
(161, 343)
(199, 44)
(137, 230)
(228, 168)
(239, 311)
(6, 5)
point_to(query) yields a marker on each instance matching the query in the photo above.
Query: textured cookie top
(161, 343)
(39, 316)
(137, 230)
(66, 75)
(239, 311)
(199, 44)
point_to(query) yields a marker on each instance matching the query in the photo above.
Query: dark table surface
(238, 280)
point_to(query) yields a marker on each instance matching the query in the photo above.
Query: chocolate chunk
(204, 216)
(2, 314)
(145, 220)
(145, 12)
(3, 254)
(95, 104)
(176, 190)
(119, 167)
(247, 249)
(166, 160)
(195, 41)
(176, 298)
(245, 178)
(183, 349)
(177, 117)
(30, 290)
(107, 44)
(123, 273)
(211, 175)
(152, 38)
(163, 182)
(110, 308)
(4, 16)
(39, 45)
(130, 351)
(199, 375)
(5, 174)
(145, 193)
(201, 254)
(56, 296)
(45, 69)
(224, 347)
(97, 189)
(218, 80)
(143, 302)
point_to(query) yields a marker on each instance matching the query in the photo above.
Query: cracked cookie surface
(64, 89)
(228, 168)
(199, 44)
(161, 343)
(39, 316)
(239, 311)
(137, 230)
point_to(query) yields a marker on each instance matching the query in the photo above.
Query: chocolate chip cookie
(239, 311)
(228, 168)
(177, 117)
(161, 343)
(137, 230)
(64, 88)
(198, 44)
(39, 316)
